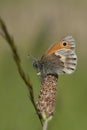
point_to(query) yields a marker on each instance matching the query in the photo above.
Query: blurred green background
(35, 25)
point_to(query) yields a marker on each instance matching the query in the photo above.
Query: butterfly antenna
(31, 56)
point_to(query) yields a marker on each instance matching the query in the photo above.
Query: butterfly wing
(68, 56)
(61, 57)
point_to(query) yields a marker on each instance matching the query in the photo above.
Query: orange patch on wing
(56, 47)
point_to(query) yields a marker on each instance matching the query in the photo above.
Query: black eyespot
(64, 43)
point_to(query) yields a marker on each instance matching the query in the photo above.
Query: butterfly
(60, 58)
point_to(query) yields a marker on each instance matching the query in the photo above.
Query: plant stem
(9, 39)
(45, 124)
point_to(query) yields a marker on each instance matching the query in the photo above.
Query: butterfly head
(37, 66)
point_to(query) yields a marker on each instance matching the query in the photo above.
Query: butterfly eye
(64, 43)
(35, 63)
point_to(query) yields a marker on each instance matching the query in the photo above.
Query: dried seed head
(47, 96)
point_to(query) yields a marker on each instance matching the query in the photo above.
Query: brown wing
(60, 58)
